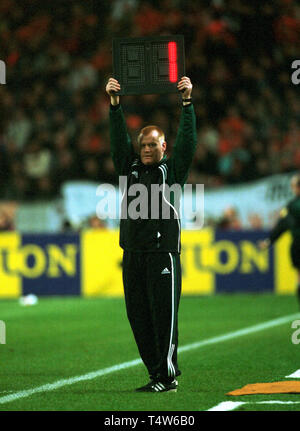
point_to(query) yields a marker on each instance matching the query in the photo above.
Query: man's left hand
(186, 87)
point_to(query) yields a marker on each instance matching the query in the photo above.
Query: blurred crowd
(54, 110)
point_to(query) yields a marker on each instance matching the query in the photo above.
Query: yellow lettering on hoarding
(52, 262)
(251, 257)
(40, 261)
(232, 257)
(61, 260)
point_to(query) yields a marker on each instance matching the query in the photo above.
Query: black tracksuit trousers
(152, 287)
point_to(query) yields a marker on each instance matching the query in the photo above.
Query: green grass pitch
(60, 338)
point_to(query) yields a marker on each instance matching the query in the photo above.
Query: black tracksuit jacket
(150, 234)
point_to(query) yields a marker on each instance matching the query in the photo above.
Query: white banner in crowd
(263, 198)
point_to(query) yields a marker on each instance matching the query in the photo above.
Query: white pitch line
(227, 406)
(240, 332)
(277, 402)
(295, 375)
(92, 375)
(70, 381)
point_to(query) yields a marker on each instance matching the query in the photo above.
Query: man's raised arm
(186, 140)
(122, 151)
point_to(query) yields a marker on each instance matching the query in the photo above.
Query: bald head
(155, 131)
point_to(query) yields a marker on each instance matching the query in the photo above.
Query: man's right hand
(111, 88)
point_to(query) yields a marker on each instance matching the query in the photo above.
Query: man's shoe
(156, 386)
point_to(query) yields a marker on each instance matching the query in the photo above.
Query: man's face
(151, 148)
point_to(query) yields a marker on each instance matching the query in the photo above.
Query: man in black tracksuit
(151, 240)
(289, 220)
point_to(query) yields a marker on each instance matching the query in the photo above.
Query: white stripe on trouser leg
(171, 368)
(169, 203)
(170, 363)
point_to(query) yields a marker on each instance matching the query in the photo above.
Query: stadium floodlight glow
(148, 65)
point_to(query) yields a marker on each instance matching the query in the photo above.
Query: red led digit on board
(172, 55)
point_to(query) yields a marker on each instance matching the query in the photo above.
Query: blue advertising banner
(50, 264)
(241, 265)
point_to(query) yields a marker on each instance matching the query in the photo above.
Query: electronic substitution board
(148, 65)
